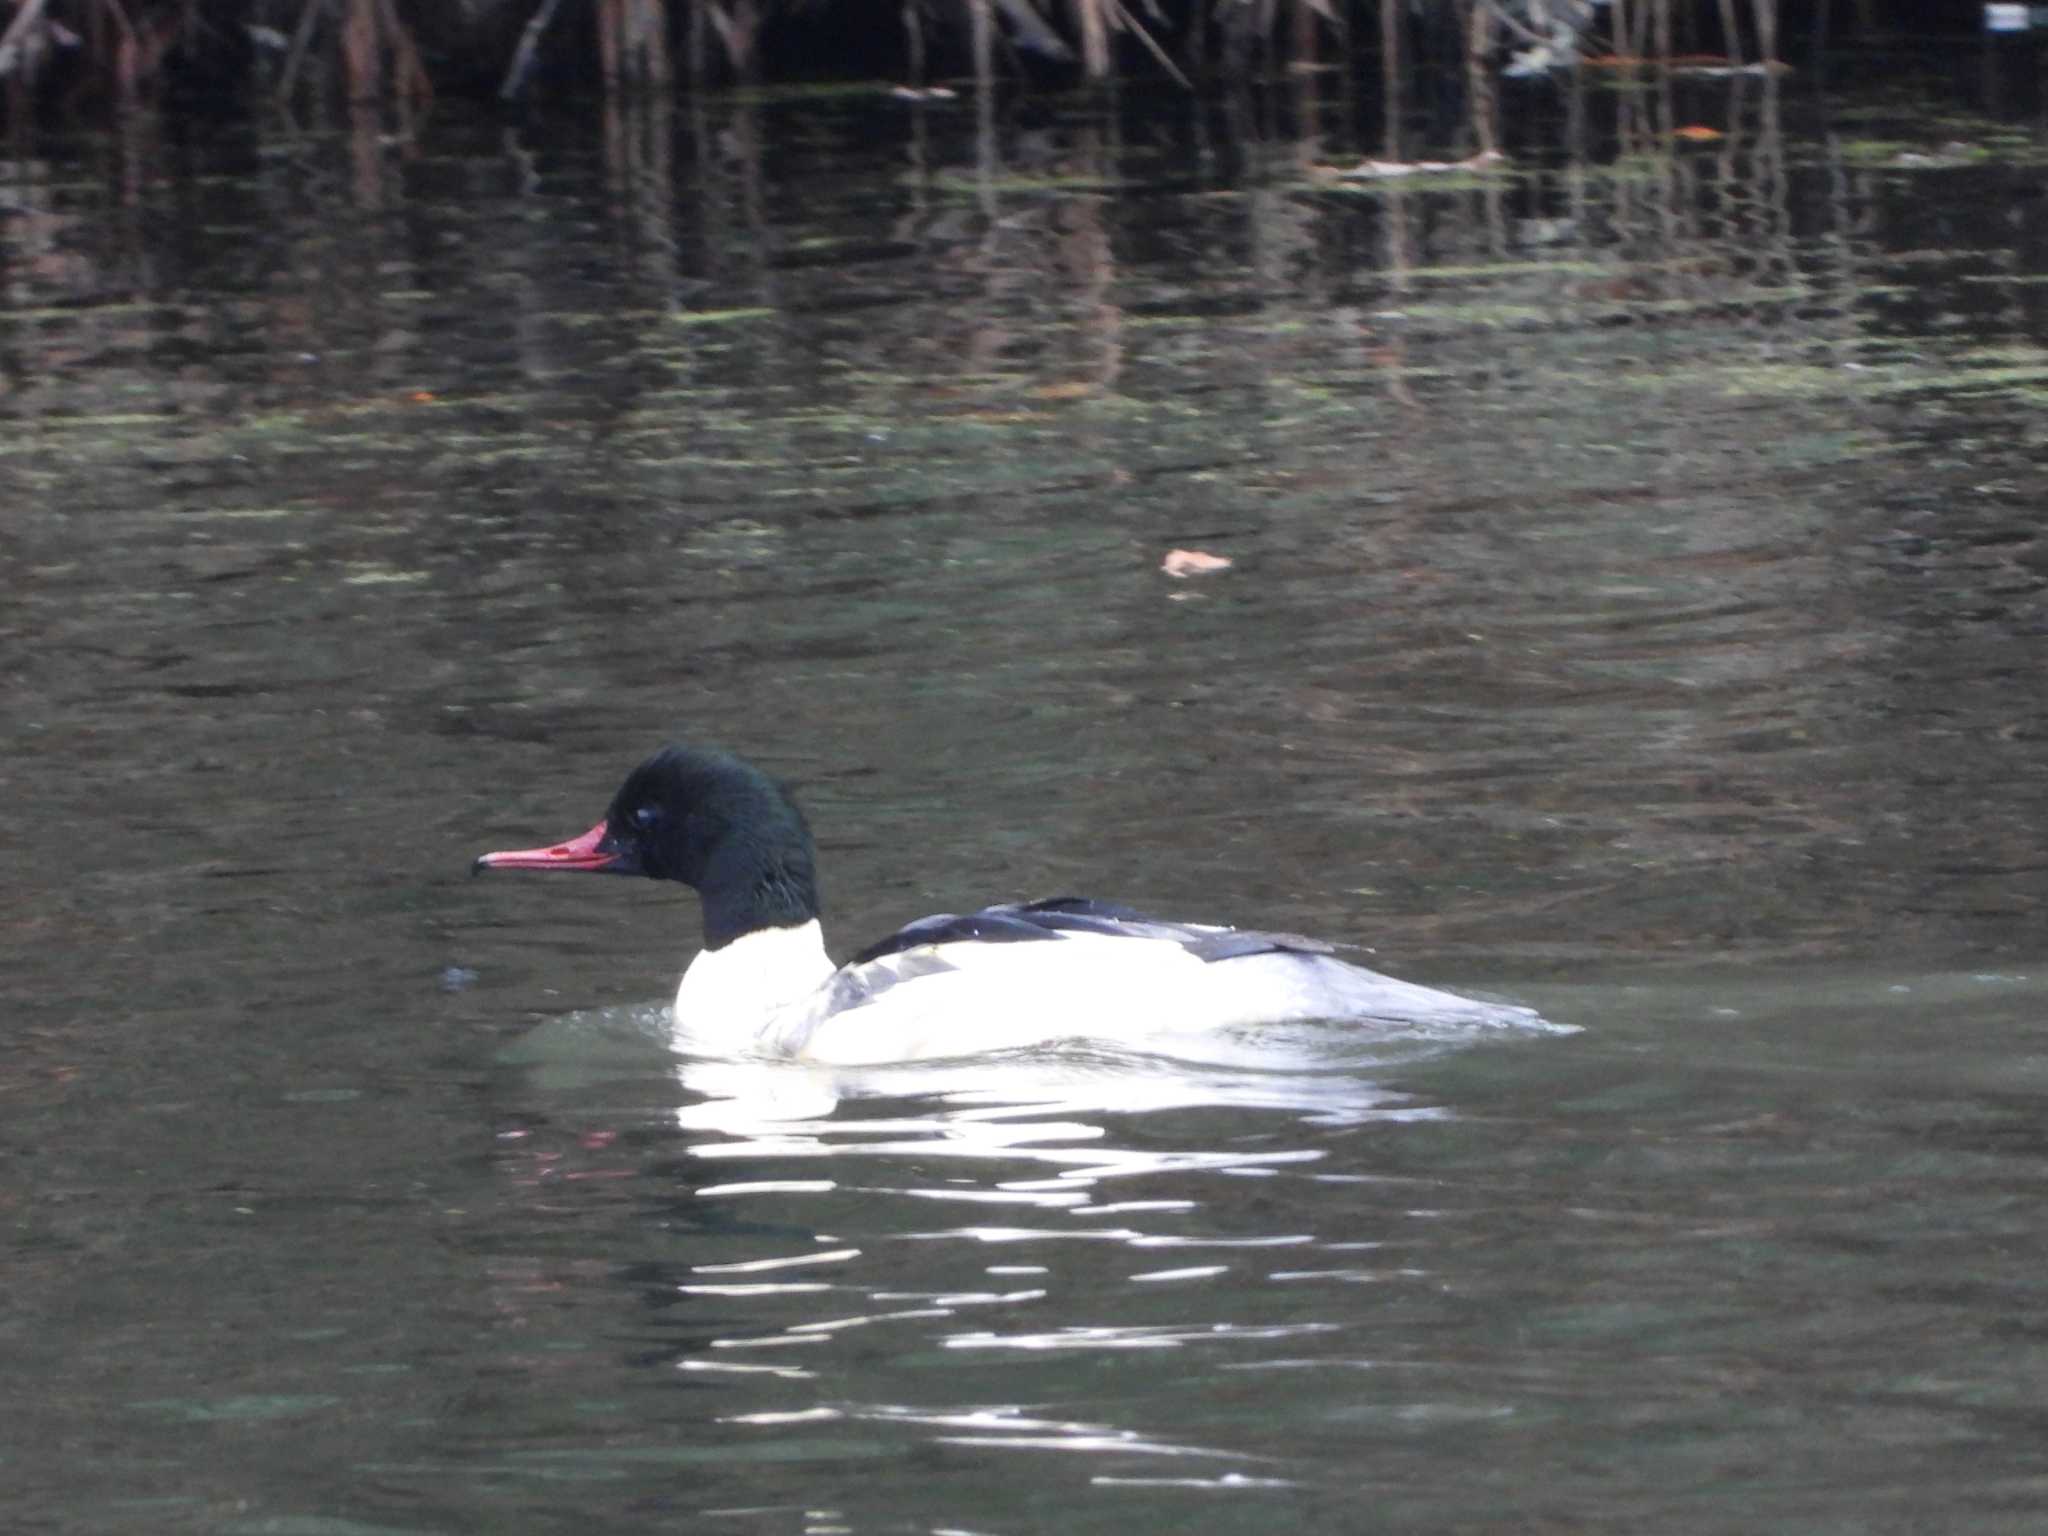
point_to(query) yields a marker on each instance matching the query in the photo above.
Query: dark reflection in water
(1635, 609)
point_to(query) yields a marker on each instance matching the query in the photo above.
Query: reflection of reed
(367, 31)
(374, 47)
(1650, 281)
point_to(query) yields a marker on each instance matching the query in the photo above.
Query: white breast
(729, 996)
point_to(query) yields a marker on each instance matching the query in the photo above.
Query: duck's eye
(647, 817)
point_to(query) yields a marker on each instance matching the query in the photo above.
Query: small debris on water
(1373, 170)
(1183, 563)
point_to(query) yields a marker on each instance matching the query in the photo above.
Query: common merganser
(1006, 976)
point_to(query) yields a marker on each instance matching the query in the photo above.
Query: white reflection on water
(1006, 1427)
(1049, 1127)
(1030, 1130)
(1227, 1481)
(757, 1288)
(830, 1303)
(1192, 1272)
(1138, 1336)
(862, 1320)
(1046, 1106)
(699, 1364)
(792, 1261)
(1039, 1108)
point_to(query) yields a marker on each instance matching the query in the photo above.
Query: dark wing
(1058, 916)
(1229, 943)
(992, 925)
(1205, 941)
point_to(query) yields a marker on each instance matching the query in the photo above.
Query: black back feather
(1058, 916)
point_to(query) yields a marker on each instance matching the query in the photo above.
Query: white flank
(768, 992)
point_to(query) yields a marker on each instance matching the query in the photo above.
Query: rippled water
(1635, 611)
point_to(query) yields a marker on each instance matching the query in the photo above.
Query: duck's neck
(744, 983)
(749, 887)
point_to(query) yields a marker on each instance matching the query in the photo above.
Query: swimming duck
(1006, 976)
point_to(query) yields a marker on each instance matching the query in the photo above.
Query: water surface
(1635, 611)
